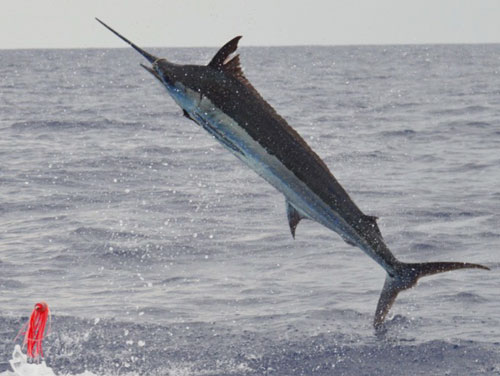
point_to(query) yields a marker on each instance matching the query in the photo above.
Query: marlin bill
(219, 98)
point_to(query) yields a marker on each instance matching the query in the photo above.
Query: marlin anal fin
(406, 276)
(294, 217)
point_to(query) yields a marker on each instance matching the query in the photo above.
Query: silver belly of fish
(235, 139)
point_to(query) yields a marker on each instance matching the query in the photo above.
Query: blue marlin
(220, 99)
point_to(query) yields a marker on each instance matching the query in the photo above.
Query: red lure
(34, 330)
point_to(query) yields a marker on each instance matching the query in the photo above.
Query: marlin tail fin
(406, 277)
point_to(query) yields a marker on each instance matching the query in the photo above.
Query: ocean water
(160, 253)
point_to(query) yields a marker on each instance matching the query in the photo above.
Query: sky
(169, 23)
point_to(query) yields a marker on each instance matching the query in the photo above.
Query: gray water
(160, 253)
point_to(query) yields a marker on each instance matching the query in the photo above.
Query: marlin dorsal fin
(371, 221)
(230, 65)
(219, 60)
(233, 67)
(223, 62)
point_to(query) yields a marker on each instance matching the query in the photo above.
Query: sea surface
(159, 253)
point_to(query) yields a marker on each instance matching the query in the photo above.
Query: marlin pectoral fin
(348, 241)
(186, 114)
(153, 72)
(294, 217)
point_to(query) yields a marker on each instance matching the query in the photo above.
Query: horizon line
(265, 46)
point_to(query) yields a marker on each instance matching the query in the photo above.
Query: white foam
(21, 367)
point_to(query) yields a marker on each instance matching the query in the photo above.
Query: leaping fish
(219, 98)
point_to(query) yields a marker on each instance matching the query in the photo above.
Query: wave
(408, 133)
(474, 124)
(10, 284)
(71, 124)
(451, 214)
(57, 125)
(464, 297)
(473, 109)
(106, 234)
(108, 347)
